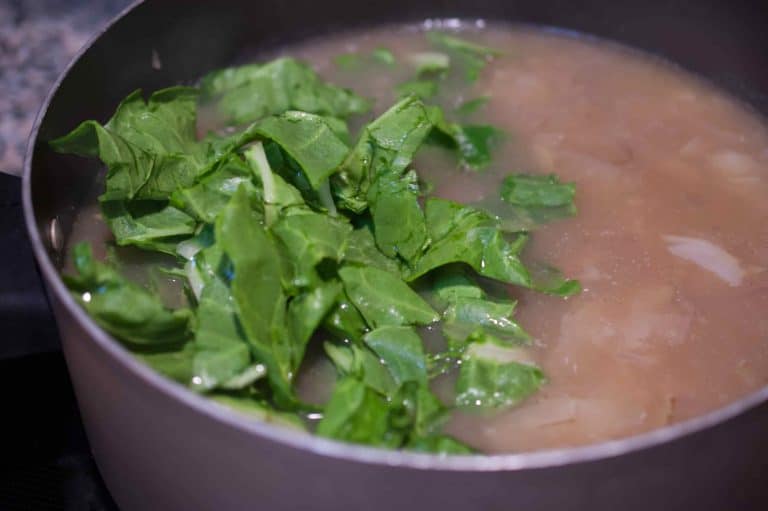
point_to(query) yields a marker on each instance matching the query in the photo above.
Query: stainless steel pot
(160, 446)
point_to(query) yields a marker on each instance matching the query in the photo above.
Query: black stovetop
(45, 460)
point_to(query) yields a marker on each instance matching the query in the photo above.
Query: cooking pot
(160, 446)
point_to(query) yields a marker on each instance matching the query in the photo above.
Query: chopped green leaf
(344, 321)
(383, 56)
(462, 45)
(488, 383)
(473, 56)
(387, 145)
(422, 89)
(307, 239)
(174, 362)
(361, 249)
(383, 299)
(398, 221)
(306, 312)
(451, 285)
(250, 406)
(401, 351)
(277, 193)
(206, 198)
(308, 139)
(473, 143)
(537, 190)
(358, 414)
(430, 62)
(361, 363)
(222, 349)
(439, 444)
(528, 201)
(348, 61)
(256, 289)
(467, 235)
(486, 320)
(551, 281)
(472, 105)
(122, 308)
(151, 225)
(149, 148)
(255, 91)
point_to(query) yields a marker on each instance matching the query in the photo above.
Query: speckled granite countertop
(37, 40)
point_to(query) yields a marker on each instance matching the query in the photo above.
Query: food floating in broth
(477, 240)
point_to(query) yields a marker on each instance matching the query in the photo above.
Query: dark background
(45, 461)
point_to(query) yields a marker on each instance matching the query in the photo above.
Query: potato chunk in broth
(670, 241)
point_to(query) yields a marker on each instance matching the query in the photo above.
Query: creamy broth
(670, 242)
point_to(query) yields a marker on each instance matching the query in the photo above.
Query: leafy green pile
(286, 235)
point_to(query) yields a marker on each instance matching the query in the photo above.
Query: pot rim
(309, 442)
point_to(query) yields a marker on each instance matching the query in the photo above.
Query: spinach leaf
(254, 91)
(398, 221)
(151, 225)
(122, 308)
(452, 284)
(277, 193)
(344, 321)
(550, 280)
(222, 348)
(339, 127)
(257, 290)
(424, 412)
(173, 362)
(307, 239)
(537, 191)
(387, 145)
(358, 414)
(208, 196)
(361, 249)
(484, 320)
(206, 261)
(464, 234)
(149, 148)
(475, 142)
(528, 201)
(487, 383)
(473, 56)
(359, 362)
(383, 56)
(472, 142)
(439, 444)
(305, 313)
(348, 61)
(358, 62)
(401, 351)
(422, 415)
(471, 106)
(430, 62)
(410, 417)
(257, 409)
(422, 89)
(383, 299)
(308, 139)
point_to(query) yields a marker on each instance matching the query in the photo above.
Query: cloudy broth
(670, 241)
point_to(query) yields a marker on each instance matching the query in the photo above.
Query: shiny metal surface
(160, 446)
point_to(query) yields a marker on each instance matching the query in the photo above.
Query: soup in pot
(642, 184)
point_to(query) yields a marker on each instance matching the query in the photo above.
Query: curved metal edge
(317, 445)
